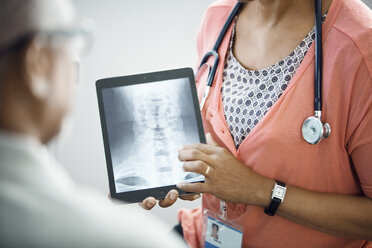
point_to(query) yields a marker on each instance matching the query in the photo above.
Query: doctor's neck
(272, 12)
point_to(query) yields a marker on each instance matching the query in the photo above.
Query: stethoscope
(313, 129)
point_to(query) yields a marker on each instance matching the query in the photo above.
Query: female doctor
(261, 173)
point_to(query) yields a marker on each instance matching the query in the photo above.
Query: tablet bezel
(158, 192)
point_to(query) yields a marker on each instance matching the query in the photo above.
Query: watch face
(279, 192)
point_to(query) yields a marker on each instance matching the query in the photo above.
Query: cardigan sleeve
(359, 144)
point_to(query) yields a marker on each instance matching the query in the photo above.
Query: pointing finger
(203, 148)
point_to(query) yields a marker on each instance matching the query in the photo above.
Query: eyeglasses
(78, 39)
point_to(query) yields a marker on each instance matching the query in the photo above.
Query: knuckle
(197, 146)
(213, 157)
(186, 165)
(221, 150)
(208, 188)
(189, 166)
(200, 167)
(199, 164)
(194, 153)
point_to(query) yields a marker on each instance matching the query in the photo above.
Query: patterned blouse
(248, 94)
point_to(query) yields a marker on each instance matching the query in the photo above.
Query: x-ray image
(147, 124)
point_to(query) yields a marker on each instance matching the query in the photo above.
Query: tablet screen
(147, 123)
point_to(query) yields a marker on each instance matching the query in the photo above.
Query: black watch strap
(275, 202)
(273, 206)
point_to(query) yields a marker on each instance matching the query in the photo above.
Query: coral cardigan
(341, 164)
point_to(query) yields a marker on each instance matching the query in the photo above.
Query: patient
(39, 205)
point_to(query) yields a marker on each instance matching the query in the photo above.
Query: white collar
(17, 139)
(32, 161)
(11, 142)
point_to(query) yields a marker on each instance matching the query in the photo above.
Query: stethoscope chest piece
(313, 130)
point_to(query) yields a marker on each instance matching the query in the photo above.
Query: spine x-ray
(147, 124)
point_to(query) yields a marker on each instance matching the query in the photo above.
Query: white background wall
(130, 37)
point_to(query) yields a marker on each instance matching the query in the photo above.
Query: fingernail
(180, 185)
(150, 204)
(172, 196)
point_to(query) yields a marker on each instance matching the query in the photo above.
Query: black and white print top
(248, 94)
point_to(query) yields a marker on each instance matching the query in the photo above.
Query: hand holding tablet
(169, 200)
(145, 120)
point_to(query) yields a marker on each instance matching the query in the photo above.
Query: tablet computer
(146, 119)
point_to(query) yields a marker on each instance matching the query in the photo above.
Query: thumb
(210, 140)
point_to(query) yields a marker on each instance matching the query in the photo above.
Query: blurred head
(39, 48)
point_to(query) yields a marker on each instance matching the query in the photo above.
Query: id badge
(218, 232)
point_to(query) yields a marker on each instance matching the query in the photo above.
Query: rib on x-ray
(147, 124)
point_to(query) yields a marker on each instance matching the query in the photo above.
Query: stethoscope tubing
(211, 75)
(225, 27)
(318, 52)
(318, 57)
(214, 51)
(318, 73)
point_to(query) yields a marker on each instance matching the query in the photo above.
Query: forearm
(229, 179)
(341, 215)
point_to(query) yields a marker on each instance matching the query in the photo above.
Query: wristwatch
(277, 197)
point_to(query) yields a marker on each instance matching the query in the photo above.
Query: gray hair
(19, 18)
